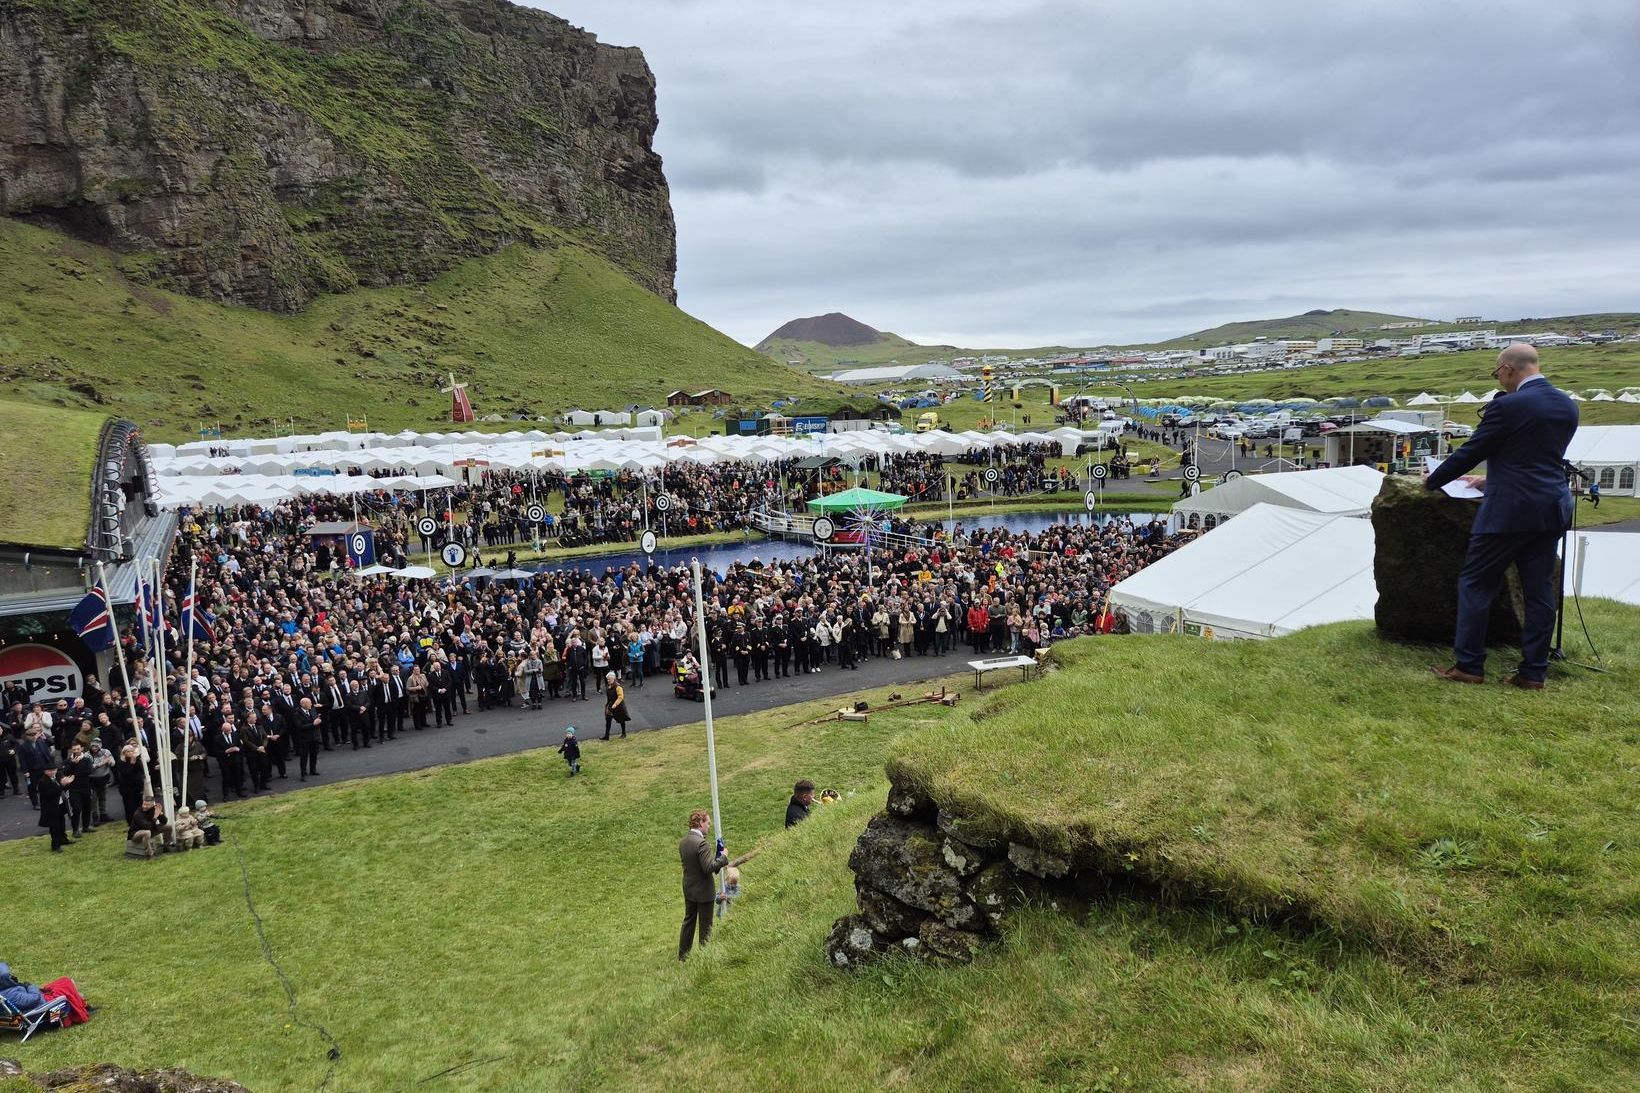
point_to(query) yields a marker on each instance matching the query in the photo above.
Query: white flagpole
(125, 674)
(162, 732)
(706, 701)
(188, 681)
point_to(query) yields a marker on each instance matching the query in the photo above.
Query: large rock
(1421, 539)
(907, 861)
(888, 917)
(851, 942)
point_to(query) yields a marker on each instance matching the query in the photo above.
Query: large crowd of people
(309, 659)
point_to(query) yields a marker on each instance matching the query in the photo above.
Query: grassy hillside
(1469, 856)
(531, 330)
(49, 453)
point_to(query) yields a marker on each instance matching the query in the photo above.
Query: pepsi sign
(46, 673)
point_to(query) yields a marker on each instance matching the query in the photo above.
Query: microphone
(1571, 468)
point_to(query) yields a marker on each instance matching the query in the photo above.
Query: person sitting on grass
(148, 825)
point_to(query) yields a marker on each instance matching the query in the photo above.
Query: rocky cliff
(266, 151)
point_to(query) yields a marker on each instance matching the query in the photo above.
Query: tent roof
(1338, 491)
(1268, 572)
(857, 498)
(1611, 566)
(1605, 444)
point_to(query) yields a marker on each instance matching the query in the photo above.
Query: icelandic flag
(150, 614)
(93, 621)
(196, 620)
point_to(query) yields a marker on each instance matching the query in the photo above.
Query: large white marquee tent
(1611, 453)
(1271, 571)
(1610, 566)
(1333, 491)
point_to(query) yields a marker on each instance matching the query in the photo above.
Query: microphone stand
(1558, 652)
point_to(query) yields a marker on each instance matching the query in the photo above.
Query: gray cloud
(992, 173)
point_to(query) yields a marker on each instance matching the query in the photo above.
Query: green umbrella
(857, 499)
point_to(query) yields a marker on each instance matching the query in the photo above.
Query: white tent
(1467, 396)
(1611, 566)
(1270, 572)
(1335, 491)
(1610, 453)
(1423, 398)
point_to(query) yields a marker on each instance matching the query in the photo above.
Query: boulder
(940, 940)
(850, 942)
(1038, 863)
(1422, 536)
(887, 917)
(116, 1079)
(993, 891)
(906, 861)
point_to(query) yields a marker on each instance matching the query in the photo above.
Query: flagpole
(125, 675)
(706, 701)
(188, 679)
(162, 733)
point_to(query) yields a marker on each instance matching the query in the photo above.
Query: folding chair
(28, 1022)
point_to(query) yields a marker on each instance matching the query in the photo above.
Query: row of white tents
(427, 455)
(1600, 394)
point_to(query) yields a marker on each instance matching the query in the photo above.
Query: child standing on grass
(731, 889)
(571, 751)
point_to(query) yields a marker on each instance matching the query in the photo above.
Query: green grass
(531, 330)
(1465, 860)
(49, 453)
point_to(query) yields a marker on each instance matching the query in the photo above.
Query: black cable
(468, 1065)
(334, 1053)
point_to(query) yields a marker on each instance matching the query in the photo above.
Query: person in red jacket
(979, 622)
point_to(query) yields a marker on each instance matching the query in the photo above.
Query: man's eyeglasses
(1498, 369)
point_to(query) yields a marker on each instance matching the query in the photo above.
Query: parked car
(1450, 429)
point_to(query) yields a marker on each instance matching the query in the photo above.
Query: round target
(427, 526)
(537, 513)
(359, 544)
(647, 542)
(991, 476)
(1090, 500)
(663, 503)
(454, 555)
(1192, 472)
(1100, 472)
(823, 529)
(1230, 476)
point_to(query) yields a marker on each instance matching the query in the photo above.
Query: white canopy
(1336, 491)
(415, 572)
(1424, 398)
(1467, 396)
(1611, 565)
(1605, 444)
(1269, 572)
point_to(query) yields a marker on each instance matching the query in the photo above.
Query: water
(720, 557)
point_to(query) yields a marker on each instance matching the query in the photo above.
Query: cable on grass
(460, 1067)
(334, 1053)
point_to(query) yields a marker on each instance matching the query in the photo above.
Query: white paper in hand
(1457, 487)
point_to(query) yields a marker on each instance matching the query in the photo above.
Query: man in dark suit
(1526, 508)
(699, 864)
(229, 750)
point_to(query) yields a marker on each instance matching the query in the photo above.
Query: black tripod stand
(1558, 651)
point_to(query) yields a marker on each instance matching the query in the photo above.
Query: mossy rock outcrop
(1422, 536)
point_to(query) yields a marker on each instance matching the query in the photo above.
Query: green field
(1454, 870)
(533, 332)
(49, 453)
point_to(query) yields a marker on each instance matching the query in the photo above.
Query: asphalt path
(505, 732)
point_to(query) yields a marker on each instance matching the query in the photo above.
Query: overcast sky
(1011, 174)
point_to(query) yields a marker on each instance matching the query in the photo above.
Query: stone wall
(930, 884)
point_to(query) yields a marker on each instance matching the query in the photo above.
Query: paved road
(503, 732)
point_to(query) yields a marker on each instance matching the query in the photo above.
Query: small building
(651, 417)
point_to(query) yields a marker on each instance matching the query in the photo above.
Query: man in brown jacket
(698, 866)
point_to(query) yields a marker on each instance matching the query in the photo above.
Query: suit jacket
(1522, 438)
(698, 866)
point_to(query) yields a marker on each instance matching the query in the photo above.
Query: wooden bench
(992, 664)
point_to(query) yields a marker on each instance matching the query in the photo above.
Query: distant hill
(1319, 323)
(834, 329)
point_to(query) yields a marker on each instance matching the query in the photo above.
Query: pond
(722, 555)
